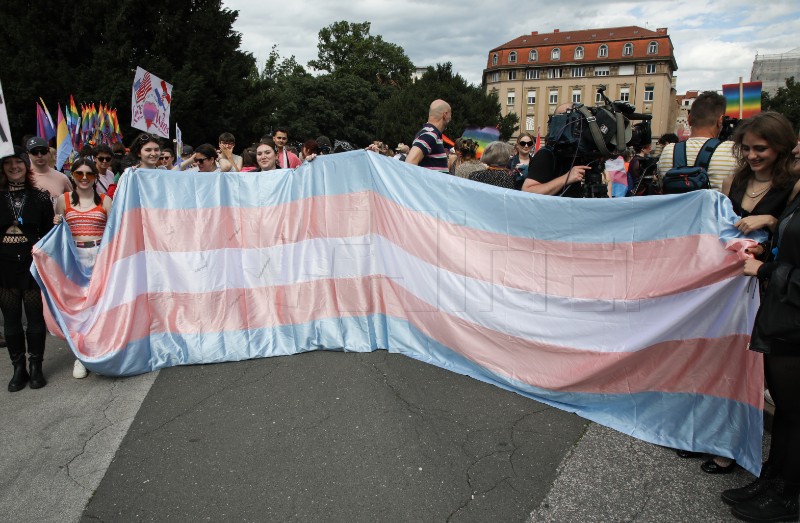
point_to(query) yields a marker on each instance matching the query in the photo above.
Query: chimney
(661, 30)
(534, 33)
(555, 30)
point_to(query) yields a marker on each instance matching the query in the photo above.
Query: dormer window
(512, 57)
(533, 56)
(602, 52)
(627, 49)
(652, 48)
(579, 53)
(555, 54)
(494, 59)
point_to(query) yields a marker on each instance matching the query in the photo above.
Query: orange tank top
(85, 223)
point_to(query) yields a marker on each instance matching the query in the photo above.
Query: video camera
(592, 135)
(728, 127)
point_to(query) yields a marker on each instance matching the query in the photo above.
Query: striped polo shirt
(429, 140)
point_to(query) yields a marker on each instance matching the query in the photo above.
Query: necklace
(756, 194)
(15, 186)
(17, 206)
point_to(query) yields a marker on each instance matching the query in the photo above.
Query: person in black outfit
(764, 145)
(550, 174)
(26, 214)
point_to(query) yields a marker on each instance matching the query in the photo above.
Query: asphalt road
(328, 437)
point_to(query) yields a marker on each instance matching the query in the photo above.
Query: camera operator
(552, 174)
(705, 119)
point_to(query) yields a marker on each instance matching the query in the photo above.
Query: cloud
(715, 41)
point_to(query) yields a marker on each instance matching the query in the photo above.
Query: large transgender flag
(630, 312)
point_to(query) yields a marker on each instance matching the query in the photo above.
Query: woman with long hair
(522, 158)
(773, 496)
(26, 214)
(86, 213)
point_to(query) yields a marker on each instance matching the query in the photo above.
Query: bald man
(427, 149)
(552, 175)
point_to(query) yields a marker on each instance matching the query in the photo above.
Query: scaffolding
(772, 70)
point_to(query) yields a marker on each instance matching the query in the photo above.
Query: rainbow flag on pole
(63, 141)
(743, 100)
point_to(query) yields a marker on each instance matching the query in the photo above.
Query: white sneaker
(78, 370)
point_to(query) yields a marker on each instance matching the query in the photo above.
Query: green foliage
(347, 49)
(365, 92)
(786, 101)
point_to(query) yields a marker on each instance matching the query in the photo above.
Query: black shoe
(688, 454)
(738, 495)
(19, 379)
(768, 506)
(37, 377)
(712, 467)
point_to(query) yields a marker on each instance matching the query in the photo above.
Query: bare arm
(556, 185)
(415, 155)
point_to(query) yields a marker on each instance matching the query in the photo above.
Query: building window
(649, 93)
(511, 98)
(627, 49)
(494, 77)
(531, 97)
(512, 57)
(512, 75)
(579, 53)
(555, 54)
(651, 69)
(532, 74)
(578, 72)
(529, 123)
(553, 96)
(652, 48)
(533, 56)
(624, 94)
(602, 70)
(598, 99)
(627, 69)
(554, 72)
(602, 52)
(576, 96)
(494, 59)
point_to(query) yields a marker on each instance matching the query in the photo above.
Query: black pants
(12, 302)
(783, 378)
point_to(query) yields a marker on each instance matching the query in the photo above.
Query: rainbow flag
(44, 129)
(483, 135)
(750, 101)
(535, 294)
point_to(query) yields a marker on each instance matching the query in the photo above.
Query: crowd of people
(758, 170)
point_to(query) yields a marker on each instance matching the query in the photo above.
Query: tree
(346, 48)
(94, 56)
(401, 115)
(786, 101)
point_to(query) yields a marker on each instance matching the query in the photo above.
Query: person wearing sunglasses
(167, 159)
(204, 159)
(85, 211)
(522, 158)
(103, 157)
(44, 176)
(26, 215)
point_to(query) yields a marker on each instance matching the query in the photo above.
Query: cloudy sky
(715, 41)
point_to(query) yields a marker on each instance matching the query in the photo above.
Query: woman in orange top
(85, 212)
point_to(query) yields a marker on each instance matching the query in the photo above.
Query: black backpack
(681, 178)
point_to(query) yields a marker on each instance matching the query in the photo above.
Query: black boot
(778, 503)
(35, 357)
(761, 484)
(16, 349)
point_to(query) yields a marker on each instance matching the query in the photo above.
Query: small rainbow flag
(483, 135)
(750, 100)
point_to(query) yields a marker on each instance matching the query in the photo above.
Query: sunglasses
(200, 160)
(39, 151)
(165, 158)
(84, 175)
(525, 144)
(103, 158)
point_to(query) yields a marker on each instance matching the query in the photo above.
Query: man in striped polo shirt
(705, 120)
(427, 149)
